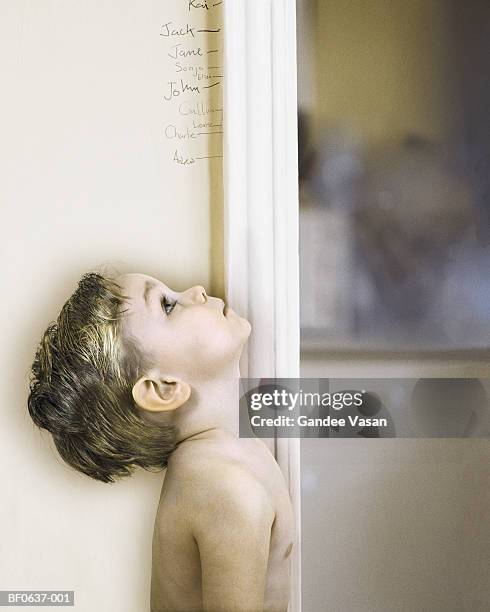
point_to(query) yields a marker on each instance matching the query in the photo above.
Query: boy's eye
(167, 304)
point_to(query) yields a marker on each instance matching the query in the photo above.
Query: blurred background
(394, 172)
(394, 161)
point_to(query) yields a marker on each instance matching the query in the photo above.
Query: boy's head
(122, 348)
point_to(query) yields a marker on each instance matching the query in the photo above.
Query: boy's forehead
(133, 286)
(134, 283)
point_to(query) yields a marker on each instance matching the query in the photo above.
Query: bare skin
(223, 532)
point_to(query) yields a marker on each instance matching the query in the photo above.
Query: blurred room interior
(394, 175)
(394, 163)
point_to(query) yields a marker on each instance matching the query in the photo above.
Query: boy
(135, 374)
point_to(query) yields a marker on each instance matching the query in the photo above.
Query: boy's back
(223, 531)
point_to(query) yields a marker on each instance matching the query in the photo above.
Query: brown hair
(81, 387)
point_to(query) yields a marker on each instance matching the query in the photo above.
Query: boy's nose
(194, 295)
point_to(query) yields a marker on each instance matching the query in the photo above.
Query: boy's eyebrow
(148, 287)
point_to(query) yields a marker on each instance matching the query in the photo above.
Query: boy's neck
(212, 409)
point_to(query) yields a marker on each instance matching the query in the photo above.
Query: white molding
(261, 202)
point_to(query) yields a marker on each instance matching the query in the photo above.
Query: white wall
(396, 524)
(87, 179)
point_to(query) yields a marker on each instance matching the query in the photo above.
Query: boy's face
(188, 335)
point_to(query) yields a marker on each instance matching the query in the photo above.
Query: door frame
(260, 167)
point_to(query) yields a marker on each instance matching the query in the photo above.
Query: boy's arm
(231, 522)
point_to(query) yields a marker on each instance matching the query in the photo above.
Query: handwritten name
(195, 4)
(184, 161)
(199, 4)
(171, 132)
(178, 52)
(199, 108)
(206, 124)
(176, 89)
(196, 71)
(172, 31)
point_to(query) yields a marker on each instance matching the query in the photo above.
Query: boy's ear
(160, 395)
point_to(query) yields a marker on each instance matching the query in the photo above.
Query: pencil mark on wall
(189, 96)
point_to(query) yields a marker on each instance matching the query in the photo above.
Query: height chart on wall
(192, 87)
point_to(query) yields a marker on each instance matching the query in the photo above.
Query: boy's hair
(81, 387)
